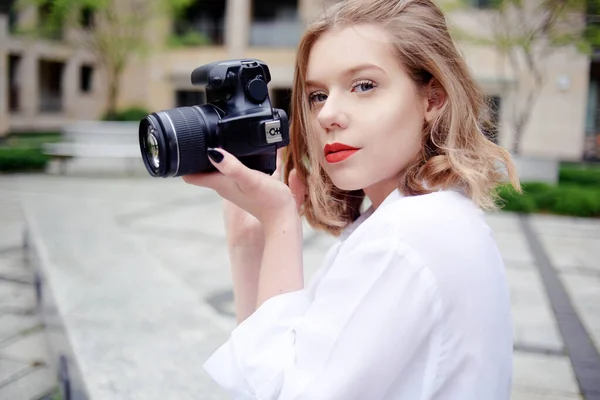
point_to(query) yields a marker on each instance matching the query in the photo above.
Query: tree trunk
(516, 143)
(114, 79)
(113, 91)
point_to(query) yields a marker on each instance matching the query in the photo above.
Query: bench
(97, 140)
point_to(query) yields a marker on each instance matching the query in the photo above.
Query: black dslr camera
(238, 117)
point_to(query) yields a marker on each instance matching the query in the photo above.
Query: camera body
(237, 117)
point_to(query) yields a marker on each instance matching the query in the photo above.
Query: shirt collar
(390, 199)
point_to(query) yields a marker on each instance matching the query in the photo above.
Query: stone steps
(25, 372)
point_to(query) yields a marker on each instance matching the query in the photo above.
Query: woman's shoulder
(442, 227)
(434, 214)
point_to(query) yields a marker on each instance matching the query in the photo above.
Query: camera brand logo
(273, 131)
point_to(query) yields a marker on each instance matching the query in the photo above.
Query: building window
(86, 74)
(492, 118)
(14, 87)
(186, 98)
(51, 86)
(202, 23)
(275, 23)
(87, 17)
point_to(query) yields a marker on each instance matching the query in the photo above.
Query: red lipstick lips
(337, 152)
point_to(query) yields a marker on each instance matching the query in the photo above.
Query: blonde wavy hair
(455, 152)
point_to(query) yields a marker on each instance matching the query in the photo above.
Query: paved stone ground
(181, 226)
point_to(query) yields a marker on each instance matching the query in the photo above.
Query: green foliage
(118, 32)
(22, 159)
(52, 20)
(31, 140)
(577, 194)
(526, 33)
(23, 152)
(580, 175)
(128, 114)
(518, 27)
(57, 395)
(190, 38)
(577, 201)
(515, 202)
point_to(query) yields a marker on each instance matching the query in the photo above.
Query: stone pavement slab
(534, 323)
(571, 253)
(585, 294)
(16, 297)
(34, 378)
(11, 267)
(548, 375)
(546, 245)
(24, 370)
(36, 384)
(561, 226)
(180, 228)
(30, 349)
(510, 239)
(13, 325)
(10, 368)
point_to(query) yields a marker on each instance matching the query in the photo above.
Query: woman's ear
(436, 97)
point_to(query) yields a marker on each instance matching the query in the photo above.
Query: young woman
(412, 301)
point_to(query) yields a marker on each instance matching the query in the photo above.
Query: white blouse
(411, 303)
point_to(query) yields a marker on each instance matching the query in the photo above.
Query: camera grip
(266, 163)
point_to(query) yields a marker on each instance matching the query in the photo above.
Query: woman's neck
(379, 191)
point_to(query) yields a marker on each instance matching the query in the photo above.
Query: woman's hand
(250, 197)
(242, 228)
(263, 229)
(266, 198)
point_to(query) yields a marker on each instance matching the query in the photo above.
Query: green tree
(526, 33)
(116, 30)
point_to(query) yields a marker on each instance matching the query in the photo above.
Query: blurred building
(48, 82)
(45, 82)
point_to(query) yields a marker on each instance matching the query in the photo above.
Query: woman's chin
(347, 183)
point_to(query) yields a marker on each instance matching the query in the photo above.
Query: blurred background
(76, 76)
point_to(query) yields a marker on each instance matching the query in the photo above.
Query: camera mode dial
(256, 90)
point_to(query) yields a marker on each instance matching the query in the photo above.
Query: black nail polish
(215, 155)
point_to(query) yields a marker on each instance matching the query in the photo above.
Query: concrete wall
(75, 103)
(557, 123)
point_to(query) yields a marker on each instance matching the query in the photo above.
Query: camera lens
(173, 142)
(152, 148)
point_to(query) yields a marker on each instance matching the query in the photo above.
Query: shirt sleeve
(371, 331)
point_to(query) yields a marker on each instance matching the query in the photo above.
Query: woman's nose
(332, 116)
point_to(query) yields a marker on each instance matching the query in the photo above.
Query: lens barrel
(173, 142)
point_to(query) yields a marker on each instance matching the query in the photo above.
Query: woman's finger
(212, 180)
(298, 189)
(279, 164)
(245, 178)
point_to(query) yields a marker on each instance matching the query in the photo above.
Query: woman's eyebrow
(348, 72)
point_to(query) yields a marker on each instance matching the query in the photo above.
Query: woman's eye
(317, 97)
(363, 86)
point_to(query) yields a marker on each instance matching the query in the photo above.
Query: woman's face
(361, 98)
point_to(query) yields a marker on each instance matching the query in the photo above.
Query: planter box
(537, 169)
